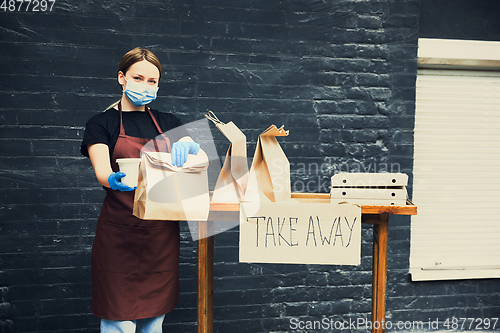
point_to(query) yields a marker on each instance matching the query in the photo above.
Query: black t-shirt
(105, 127)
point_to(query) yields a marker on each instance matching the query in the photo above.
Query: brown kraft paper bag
(171, 193)
(233, 177)
(269, 179)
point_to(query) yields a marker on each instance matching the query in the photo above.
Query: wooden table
(376, 215)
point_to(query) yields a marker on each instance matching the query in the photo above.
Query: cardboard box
(368, 179)
(369, 188)
(385, 193)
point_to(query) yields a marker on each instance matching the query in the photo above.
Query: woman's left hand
(180, 151)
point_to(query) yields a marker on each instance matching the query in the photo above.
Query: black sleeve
(95, 132)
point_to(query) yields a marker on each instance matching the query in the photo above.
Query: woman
(135, 263)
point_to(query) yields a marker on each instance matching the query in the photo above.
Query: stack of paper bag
(168, 192)
(233, 177)
(369, 188)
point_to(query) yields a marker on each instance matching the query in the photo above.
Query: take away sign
(300, 233)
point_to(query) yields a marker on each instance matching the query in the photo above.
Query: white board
(300, 233)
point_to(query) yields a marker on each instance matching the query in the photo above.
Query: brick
(272, 310)
(371, 79)
(402, 52)
(272, 31)
(410, 8)
(251, 325)
(296, 309)
(312, 6)
(238, 312)
(75, 323)
(346, 20)
(365, 136)
(404, 67)
(369, 21)
(367, 108)
(331, 136)
(379, 94)
(403, 122)
(242, 283)
(335, 107)
(403, 94)
(402, 137)
(371, 51)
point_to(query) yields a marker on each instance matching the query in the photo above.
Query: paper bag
(269, 179)
(233, 177)
(168, 192)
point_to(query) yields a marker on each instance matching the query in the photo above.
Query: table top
(408, 209)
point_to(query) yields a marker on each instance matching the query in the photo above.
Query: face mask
(140, 94)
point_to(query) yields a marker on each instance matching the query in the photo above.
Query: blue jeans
(147, 325)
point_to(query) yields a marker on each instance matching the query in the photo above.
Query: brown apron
(135, 263)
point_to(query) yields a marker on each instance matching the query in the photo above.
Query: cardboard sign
(300, 233)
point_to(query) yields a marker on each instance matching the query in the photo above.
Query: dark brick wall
(339, 74)
(460, 19)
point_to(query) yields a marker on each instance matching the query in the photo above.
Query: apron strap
(122, 129)
(167, 140)
(154, 120)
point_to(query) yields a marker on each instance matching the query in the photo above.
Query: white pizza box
(370, 202)
(368, 179)
(386, 193)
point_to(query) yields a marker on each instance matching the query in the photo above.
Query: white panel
(458, 49)
(456, 186)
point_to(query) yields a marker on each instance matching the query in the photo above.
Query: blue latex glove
(180, 151)
(115, 182)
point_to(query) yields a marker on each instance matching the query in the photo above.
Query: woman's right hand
(115, 182)
(99, 156)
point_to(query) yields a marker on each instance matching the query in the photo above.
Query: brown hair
(136, 55)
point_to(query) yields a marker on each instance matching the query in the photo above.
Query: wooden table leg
(379, 283)
(205, 276)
